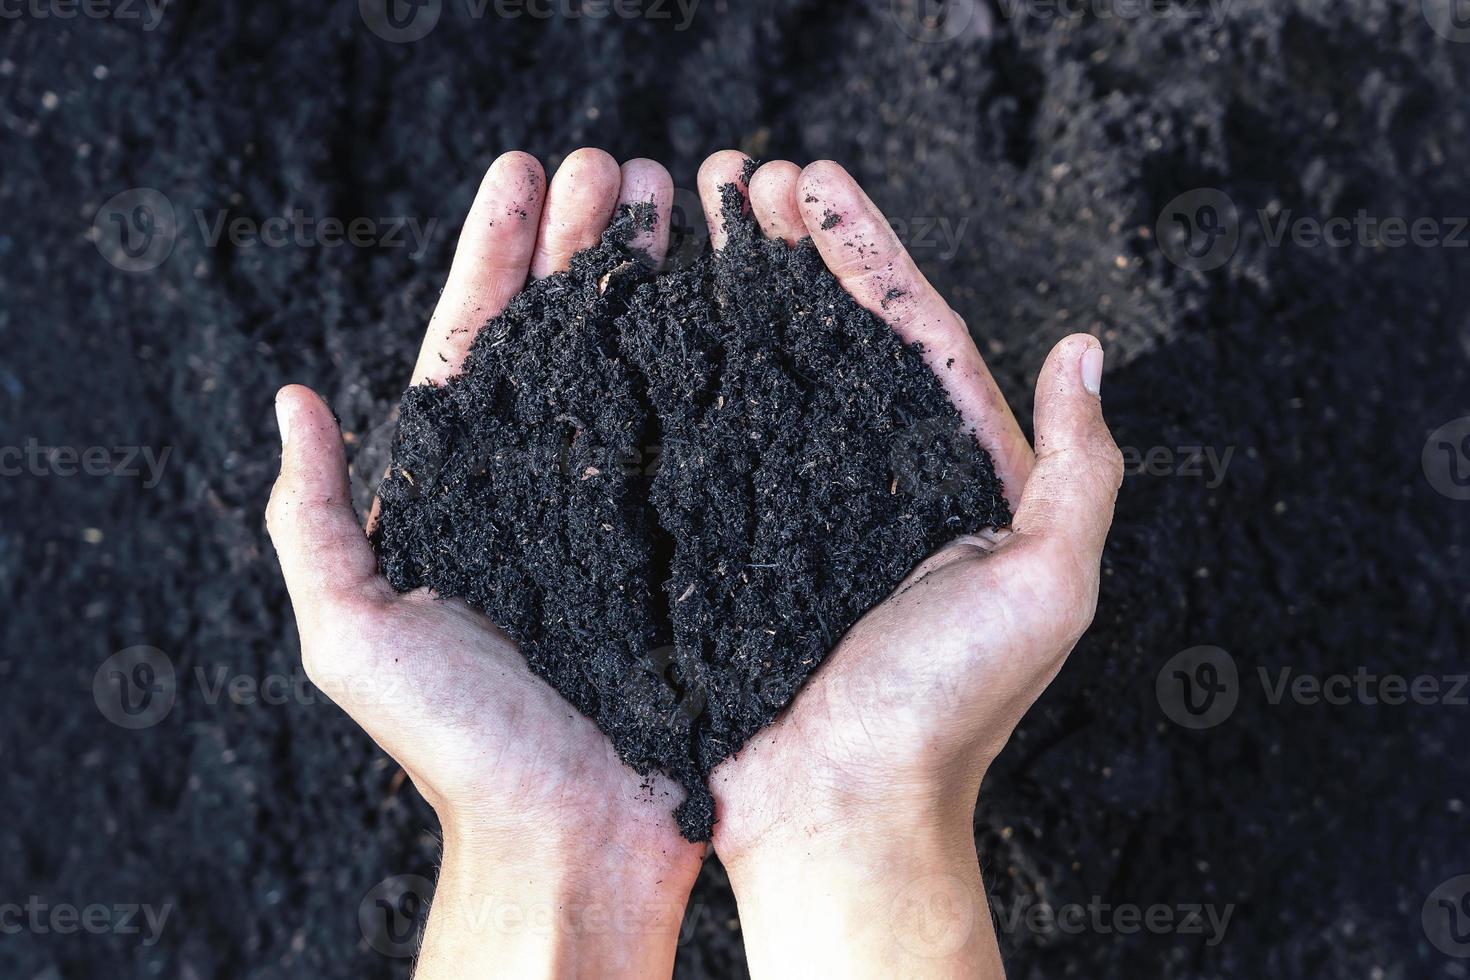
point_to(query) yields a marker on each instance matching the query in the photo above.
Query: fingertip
(292, 401)
(641, 172)
(815, 187)
(723, 167)
(773, 191)
(514, 186)
(1069, 414)
(1074, 365)
(819, 173)
(590, 174)
(774, 180)
(295, 394)
(517, 167)
(298, 399)
(719, 169)
(310, 435)
(857, 242)
(579, 204)
(647, 181)
(1075, 345)
(590, 160)
(587, 174)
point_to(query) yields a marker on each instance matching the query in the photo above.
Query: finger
(1070, 497)
(718, 171)
(862, 251)
(323, 551)
(644, 182)
(579, 206)
(773, 201)
(490, 263)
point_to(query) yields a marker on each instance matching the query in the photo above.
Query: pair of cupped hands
(845, 826)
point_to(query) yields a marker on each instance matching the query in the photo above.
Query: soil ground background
(1028, 160)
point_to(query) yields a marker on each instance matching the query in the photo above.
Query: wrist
(552, 906)
(867, 853)
(764, 818)
(872, 900)
(576, 868)
(587, 875)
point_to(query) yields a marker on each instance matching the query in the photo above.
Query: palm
(931, 681)
(447, 694)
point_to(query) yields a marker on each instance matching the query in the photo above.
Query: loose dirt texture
(677, 492)
(1027, 169)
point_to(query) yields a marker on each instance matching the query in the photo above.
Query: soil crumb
(677, 492)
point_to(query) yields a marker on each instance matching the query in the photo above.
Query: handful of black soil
(677, 492)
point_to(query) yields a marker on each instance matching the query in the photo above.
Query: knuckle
(1100, 454)
(1096, 462)
(299, 522)
(273, 507)
(315, 525)
(1108, 459)
(284, 517)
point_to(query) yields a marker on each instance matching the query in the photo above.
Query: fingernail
(1092, 365)
(283, 422)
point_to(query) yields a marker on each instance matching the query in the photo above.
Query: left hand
(541, 819)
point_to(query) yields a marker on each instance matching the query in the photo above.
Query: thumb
(323, 552)
(1068, 499)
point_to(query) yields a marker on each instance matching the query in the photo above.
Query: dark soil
(1027, 167)
(677, 492)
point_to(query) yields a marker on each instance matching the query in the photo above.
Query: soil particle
(677, 492)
